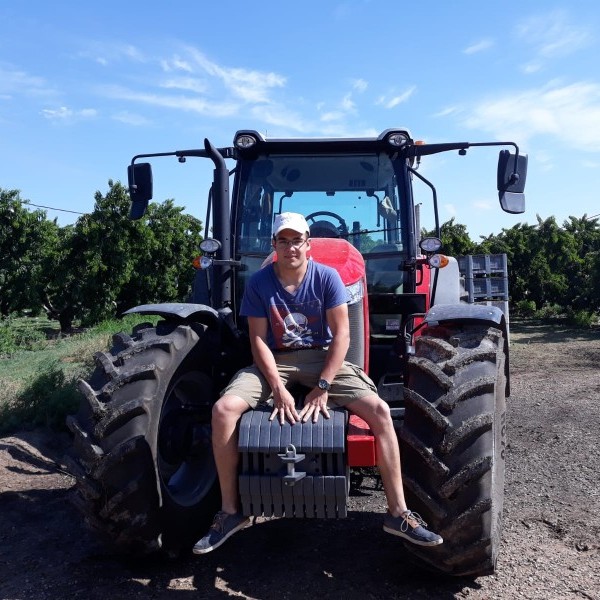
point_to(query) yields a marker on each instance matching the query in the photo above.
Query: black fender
(200, 313)
(482, 314)
(231, 343)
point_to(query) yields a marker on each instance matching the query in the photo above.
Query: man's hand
(314, 403)
(285, 407)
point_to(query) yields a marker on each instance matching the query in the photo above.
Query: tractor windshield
(354, 197)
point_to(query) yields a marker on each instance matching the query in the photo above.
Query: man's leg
(377, 415)
(226, 413)
(225, 416)
(399, 521)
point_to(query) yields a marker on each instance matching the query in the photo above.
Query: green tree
(593, 262)
(163, 261)
(550, 264)
(560, 258)
(517, 243)
(28, 244)
(109, 263)
(455, 239)
(584, 276)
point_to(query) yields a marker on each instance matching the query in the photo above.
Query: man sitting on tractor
(299, 333)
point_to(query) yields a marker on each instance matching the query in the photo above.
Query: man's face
(291, 247)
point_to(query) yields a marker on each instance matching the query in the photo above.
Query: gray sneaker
(223, 527)
(411, 527)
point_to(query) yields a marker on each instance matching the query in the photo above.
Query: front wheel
(453, 444)
(142, 453)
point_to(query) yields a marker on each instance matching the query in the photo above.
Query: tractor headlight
(397, 139)
(205, 262)
(245, 141)
(430, 245)
(210, 246)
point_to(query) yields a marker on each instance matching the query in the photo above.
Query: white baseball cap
(290, 220)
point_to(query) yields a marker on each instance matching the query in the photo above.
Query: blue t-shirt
(296, 320)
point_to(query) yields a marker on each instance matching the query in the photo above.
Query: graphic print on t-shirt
(293, 325)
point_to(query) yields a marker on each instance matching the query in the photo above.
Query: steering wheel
(342, 228)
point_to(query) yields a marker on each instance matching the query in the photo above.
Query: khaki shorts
(301, 367)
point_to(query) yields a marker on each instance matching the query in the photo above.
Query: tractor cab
(359, 192)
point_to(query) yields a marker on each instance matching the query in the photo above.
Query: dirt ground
(551, 540)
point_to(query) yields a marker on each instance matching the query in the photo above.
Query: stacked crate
(486, 279)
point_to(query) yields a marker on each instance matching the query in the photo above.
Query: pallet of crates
(486, 280)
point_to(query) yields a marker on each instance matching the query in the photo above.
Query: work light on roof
(210, 246)
(429, 245)
(245, 141)
(397, 139)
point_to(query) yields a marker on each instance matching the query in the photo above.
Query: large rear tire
(142, 453)
(453, 444)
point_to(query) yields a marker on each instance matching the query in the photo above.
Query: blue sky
(85, 86)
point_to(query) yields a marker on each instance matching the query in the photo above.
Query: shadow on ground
(47, 552)
(542, 333)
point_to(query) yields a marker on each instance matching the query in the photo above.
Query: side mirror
(512, 173)
(139, 176)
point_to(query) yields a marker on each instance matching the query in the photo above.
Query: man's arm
(265, 361)
(316, 399)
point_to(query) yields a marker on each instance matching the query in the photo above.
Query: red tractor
(142, 436)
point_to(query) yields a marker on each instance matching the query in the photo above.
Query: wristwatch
(324, 385)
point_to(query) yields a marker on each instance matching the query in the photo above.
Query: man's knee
(375, 411)
(229, 408)
(381, 411)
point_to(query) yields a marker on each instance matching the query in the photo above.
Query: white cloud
(484, 205)
(334, 115)
(360, 85)
(479, 46)
(450, 110)
(210, 89)
(339, 112)
(132, 53)
(68, 115)
(175, 64)
(249, 85)
(450, 210)
(348, 104)
(387, 102)
(551, 36)
(190, 84)
(14, 81)
(198, 105)
(544, 160)
(131, 119)
(281, 117)
(107, 53)
(590, 164)
(532, 67)
(568, 113)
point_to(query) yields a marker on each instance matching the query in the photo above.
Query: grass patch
(28, 333)
(38, 381)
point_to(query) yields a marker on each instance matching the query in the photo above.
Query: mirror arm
(435, 203)
(426, 149)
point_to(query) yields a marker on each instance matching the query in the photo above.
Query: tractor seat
(324, 229)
